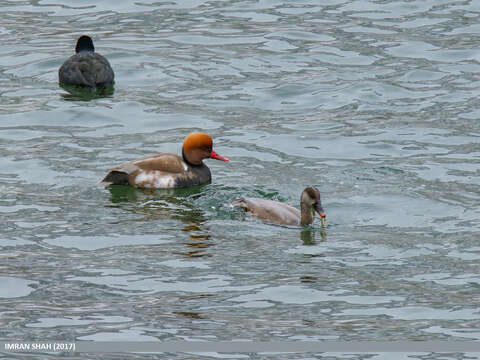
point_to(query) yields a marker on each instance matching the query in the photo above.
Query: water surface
(375, 103)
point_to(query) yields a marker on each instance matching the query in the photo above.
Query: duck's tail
(115, 178)
(240, 202)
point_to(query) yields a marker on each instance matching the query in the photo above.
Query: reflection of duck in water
(177, 204)
(166, 170)
(284, 214)
(86, 68)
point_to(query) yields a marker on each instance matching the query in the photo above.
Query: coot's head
(84, 44)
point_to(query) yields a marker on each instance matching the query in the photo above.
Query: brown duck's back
(168, 162)
(271, 211)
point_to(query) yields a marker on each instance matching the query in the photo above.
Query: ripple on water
(138, 283)
(416, 313)
(292, 294)
(100, 242)
(76, 321)
(132, 334)
(12, 287)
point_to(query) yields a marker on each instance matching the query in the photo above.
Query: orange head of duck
(198, 146)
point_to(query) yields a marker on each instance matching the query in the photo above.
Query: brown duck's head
(311, 197)
(198, 146)
(84, 44)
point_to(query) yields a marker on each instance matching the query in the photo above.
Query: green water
(375, 103)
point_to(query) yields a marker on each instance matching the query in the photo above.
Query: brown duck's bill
(321, 213)
(216, 156)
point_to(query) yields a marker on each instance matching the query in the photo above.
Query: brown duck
(284, 214)
(166, 170)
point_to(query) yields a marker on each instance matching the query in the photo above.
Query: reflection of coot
(86, 68)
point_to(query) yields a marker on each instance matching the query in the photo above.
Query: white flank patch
(154, 179)
(164, 181)
(185, 166)
(144, 177)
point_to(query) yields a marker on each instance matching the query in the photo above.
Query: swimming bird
(284, 214)
(166, 170)
(86, 68)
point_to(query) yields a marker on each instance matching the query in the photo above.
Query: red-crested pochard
(284, 214)
(166, 170)
(86, 68)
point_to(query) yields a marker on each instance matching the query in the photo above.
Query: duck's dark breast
(195, 175)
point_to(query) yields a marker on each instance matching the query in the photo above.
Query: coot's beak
(216, 156)
(323, 216)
